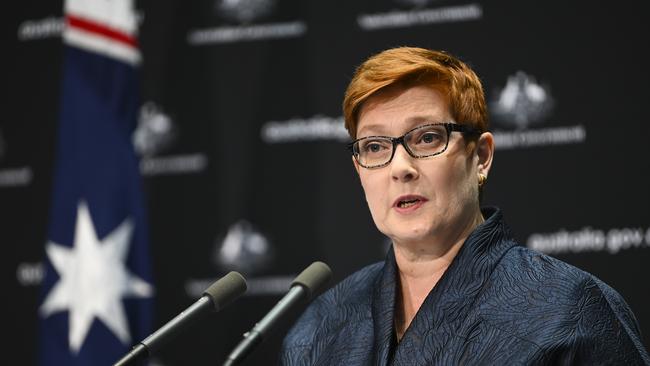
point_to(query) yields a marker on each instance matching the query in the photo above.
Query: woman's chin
(412, 238)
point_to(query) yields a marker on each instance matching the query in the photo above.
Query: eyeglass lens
(420, 142)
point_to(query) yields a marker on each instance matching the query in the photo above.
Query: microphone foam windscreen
(226, 289)
(313, 277)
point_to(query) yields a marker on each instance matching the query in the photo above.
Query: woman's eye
(429, 138)
(373, 147)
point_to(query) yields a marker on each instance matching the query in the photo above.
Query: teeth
(404, 204)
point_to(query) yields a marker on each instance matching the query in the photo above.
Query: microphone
(305, 285)
(221, 293)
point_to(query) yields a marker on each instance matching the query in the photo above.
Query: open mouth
(408, 203)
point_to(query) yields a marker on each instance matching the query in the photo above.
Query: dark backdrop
(241, 142)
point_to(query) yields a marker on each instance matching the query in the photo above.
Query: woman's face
(416, 200)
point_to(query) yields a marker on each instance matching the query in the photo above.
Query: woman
(455, 288)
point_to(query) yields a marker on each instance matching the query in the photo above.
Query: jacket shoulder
(349, 300)
(560, 307)
(552, 281)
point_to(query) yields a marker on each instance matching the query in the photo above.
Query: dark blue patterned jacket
(497, 304)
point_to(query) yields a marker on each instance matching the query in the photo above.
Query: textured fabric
(497, 304)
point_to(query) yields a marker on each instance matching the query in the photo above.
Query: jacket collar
(443, 310)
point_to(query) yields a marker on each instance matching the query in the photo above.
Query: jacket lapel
(441, 316)
(383, 310)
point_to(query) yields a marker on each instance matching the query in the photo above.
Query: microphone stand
(257, 334)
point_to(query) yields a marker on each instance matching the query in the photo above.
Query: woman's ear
(485, 152)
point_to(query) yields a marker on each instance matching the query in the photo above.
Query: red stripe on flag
(102, 30)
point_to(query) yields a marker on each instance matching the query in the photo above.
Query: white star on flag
(93, 280)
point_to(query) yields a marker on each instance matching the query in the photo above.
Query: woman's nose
(402, 167)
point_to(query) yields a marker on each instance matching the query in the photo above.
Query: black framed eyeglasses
(420, 142)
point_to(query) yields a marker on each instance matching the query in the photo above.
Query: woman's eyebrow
(379, 129)
(375, 129)
(424, 119)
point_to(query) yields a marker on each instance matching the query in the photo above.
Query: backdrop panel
(242, 150)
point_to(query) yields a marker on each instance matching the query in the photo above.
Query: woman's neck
(420, 267)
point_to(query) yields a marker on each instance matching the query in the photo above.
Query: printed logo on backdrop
(587, 239)
(522, 102)
(156, 134)
(244, 11)
(417, 3)
(49, 27)
(520, 108)
(246, 23)
(316, 128)
(419, 12)
(14, 176)
(244, 249)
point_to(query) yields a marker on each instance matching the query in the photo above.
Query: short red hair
(410, 66)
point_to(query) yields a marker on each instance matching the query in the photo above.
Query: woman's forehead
(398, 110)
(393, 127)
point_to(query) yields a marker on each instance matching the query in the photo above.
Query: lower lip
(409, 209)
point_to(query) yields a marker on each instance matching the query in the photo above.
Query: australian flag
(97, 293)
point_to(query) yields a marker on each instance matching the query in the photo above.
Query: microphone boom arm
(260, 330)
